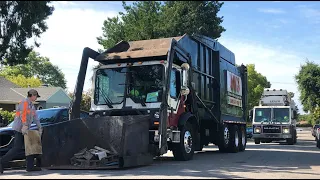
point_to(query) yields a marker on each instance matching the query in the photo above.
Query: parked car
(46, 116)
(313, 129)
(249, 132)
(317, 137)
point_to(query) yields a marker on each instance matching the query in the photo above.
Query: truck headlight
(257, 130)
(286, 130)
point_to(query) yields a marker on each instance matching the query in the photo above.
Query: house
(11, 95)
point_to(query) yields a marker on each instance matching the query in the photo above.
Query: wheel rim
(236, 139)
(243, 139)
(187, 142)
(226, 135)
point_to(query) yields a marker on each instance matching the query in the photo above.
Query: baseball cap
(33, 92)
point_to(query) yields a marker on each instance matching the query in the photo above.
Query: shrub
(7, 116)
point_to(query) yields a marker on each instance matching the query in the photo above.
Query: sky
(275, 36)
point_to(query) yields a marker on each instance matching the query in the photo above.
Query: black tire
(234, 139)
(243, 138)
(318, 143)
(224, 138)
(257, 141)
(295, 138)
(179, 151)
(198, 145)
(290, 141)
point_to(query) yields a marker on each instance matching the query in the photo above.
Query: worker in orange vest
(25, 115)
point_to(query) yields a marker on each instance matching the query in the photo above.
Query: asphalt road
(272, 160)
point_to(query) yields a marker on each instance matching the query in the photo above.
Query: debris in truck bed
(94, 158)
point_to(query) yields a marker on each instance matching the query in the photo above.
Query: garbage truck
(151, 96)
(275, 117)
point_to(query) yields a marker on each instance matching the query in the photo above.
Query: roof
(15, 95)
(7, 95)
(44, 92)
(6, 83)
(143, 48)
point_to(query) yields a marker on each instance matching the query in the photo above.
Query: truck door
(175, 54)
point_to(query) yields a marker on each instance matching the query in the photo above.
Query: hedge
(7, 116)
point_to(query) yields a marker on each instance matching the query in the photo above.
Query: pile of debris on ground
(96, 157)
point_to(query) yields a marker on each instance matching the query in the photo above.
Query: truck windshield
(144, 84)
(262, 115)
(281, 114)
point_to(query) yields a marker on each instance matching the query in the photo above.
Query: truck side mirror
(250, 114)
(184, 89)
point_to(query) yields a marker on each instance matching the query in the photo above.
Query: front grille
(271, 129)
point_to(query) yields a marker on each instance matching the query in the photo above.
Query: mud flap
(125, 136)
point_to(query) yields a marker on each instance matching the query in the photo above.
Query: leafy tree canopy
(40, 67)
(152, 19)
(19, 21)
(24, 81)
(256, 84)
(308, 80)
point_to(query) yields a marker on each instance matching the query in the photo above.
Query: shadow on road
(259, 159)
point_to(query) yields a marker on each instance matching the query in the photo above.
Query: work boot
(34, 169)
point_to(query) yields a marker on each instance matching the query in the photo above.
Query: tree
(24, 81)
(113, 31)
(39, 67)
(200, 17)
(256, 84)
(152, 20)
(291, 94)
(19, 21)
(308, 80)
(85, 101)
(304, 117)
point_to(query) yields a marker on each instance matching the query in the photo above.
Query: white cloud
(277, 64)
(70, 29)
(271, 10)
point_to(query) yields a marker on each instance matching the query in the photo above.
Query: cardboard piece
(32, 143)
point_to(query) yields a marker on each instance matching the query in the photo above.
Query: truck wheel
(257, 141)
(290, 141)
(268, 141)
(295, 138)
(234, 139)
(243, 138)
(184, 150)
(224, 138)
(318, 144)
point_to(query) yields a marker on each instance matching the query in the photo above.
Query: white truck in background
(275, 118)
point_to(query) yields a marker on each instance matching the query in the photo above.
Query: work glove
(40, 131)
(24, 130)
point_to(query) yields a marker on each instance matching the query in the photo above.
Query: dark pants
(17, 146)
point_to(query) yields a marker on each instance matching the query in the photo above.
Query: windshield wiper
(275, 120)
(265, 121)
(105, 98)
(141, 101)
